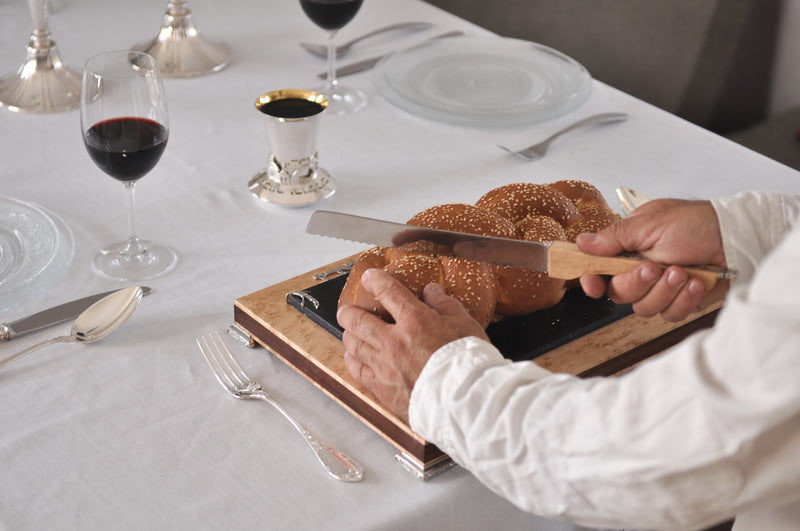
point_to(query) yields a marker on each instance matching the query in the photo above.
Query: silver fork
(321, 50)
(234, 380)
(538, 150)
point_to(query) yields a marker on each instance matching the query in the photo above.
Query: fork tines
(223, 364)
(235, 381)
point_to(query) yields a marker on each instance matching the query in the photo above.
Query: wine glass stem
(332, 82)
(133, 246)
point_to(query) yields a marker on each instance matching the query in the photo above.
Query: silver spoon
(538, 150)
(321, 50)
(96, 321)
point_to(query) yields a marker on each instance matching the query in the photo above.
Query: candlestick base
(42, 83)
(180, 50)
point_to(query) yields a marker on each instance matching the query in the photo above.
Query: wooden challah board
(318, 355)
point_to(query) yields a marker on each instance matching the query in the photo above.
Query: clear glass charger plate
(482, 81)
(36, 248)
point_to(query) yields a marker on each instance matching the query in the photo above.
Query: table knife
(366, 64)
(558, 259)
(51, 316)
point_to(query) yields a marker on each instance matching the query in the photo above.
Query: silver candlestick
(180, 50)
(42, 83)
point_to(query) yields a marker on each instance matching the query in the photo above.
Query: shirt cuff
(451, 369)
(751, 224)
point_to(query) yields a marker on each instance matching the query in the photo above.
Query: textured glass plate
(482, 81)
(36, 247)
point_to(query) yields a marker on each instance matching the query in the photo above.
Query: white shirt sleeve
(706, 431)
(752, 223)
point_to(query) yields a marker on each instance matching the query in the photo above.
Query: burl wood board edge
(318, 356)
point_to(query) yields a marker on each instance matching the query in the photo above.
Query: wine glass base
(42, 83)
(117, 263)
(181, 51)
(343, 100)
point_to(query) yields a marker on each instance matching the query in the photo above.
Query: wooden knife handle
(565, 261)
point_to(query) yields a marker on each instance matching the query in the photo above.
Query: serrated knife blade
(558, 259)
(52, 316)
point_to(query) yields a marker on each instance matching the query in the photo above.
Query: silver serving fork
(538, 150)
(234, 380)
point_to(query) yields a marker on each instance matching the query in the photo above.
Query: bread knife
(366, 64)
(562, 260)
(52, 316)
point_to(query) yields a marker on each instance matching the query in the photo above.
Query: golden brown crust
(416, 271)
(473, 284)
(522, 291)
(579, 192)
(519, 200)
(464, 218)
(527, 211)
(537, 228)
(594, 217)
(352, 294)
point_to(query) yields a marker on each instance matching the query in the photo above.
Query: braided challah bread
(524, 211)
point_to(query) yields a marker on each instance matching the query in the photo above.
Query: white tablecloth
(133, 432)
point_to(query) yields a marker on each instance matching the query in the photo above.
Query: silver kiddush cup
(292, 176)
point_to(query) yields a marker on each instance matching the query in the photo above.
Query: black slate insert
(518, 338)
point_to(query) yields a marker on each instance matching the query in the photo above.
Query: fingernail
(676, 277)
(696, 287)
(587, 237)
(366, 277)
(435, 288)
(648, 274)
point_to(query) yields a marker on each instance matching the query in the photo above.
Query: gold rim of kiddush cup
(284, 94)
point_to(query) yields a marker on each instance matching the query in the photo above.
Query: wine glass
(332, 15)
(124, 123)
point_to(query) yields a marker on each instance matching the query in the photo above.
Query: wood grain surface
(318, 356)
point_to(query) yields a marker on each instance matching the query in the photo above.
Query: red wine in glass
(332, 15)
(126, 148)
(125, 126)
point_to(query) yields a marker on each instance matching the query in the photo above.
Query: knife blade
(52, 316)
(630, 199)
(366, 64)
(562, 260)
